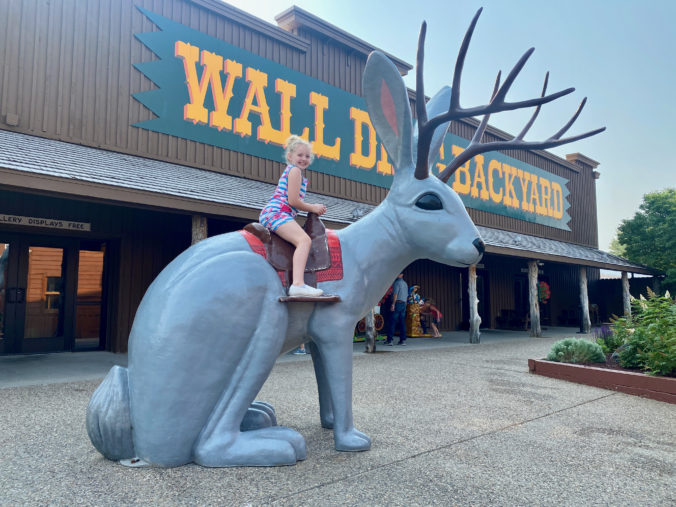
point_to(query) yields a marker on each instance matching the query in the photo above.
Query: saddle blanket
(334, 272)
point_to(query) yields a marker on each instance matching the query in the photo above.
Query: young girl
(278, 215)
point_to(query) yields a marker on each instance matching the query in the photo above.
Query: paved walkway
(40, 369)
(452, 424)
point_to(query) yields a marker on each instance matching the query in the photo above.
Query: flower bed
(639, 384)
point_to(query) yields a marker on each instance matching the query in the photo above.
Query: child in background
(436, 316)
(278, 215)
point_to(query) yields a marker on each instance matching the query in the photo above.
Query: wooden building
(129, 127)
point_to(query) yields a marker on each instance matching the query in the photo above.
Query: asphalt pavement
(451, 424)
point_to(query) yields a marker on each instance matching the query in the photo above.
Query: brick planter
(639, 384)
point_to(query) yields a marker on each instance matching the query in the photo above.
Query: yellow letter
(535, 195)
(557, 200)
(546, 190)
(320, 103)
(440, 166)
(509, 186)
(258, 81)
(494, 165)
(195, 111)
(287, 91)
(524, 178)
(383, 166)
(461, 188)
(357, 158)
(479, 177)
(220, 118)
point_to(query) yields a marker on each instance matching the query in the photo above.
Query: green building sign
(215, 93)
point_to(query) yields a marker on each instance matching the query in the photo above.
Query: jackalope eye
(429, 202)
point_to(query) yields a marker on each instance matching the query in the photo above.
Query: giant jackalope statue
(210, 327)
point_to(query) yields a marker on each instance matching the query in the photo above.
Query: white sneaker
(304, 290)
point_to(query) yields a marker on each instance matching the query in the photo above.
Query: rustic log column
(474, 317)
(626, 296)
(370, 332)
(535, 329)
(585, 326)
(656, 285)
(199, 228)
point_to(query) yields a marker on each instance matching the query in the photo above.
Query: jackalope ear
(388, 106)
(436, 106)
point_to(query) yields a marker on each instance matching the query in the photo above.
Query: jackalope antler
(497, 104)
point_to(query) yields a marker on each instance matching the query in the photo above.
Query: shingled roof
(186, 186)
(83, 171)
(533, 247)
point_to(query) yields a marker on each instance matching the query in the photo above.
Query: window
(53, 293)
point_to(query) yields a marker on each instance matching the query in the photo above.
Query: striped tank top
(279, 202)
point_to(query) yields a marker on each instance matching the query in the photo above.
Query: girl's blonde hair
(292, 143)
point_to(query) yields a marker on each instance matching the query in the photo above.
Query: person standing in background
(386, 309)
(398, 308)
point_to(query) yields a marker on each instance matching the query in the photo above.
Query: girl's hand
(319, 209)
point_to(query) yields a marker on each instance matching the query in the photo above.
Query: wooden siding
(66, 71)
(140, 244)
(78, 56)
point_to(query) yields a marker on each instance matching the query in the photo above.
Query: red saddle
(325, 261)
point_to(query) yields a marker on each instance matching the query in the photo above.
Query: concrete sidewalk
(451, 423)
(42, 369)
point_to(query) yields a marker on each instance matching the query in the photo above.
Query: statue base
(326, 298)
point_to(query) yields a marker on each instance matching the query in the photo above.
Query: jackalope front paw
(353, 440)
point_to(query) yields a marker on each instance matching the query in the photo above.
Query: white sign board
(49, 223)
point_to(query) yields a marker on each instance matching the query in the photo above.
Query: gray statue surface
(210, 327)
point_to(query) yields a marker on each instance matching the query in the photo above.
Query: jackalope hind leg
(222, 442)
(334, 376)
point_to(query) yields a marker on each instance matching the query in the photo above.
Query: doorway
(51, 294)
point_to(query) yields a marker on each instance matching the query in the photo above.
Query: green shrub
(578, 351)
(649, 334)
(608, 340)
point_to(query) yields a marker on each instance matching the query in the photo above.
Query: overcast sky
(617, 53)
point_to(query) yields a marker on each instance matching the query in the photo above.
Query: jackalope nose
(479, 245)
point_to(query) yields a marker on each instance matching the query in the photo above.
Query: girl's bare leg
(294, 234)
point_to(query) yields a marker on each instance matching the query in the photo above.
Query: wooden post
(656, 285)
(199, 228)
(370, 332)
(474, 317)
(626, 296)
(585, 327)
(535, 329)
